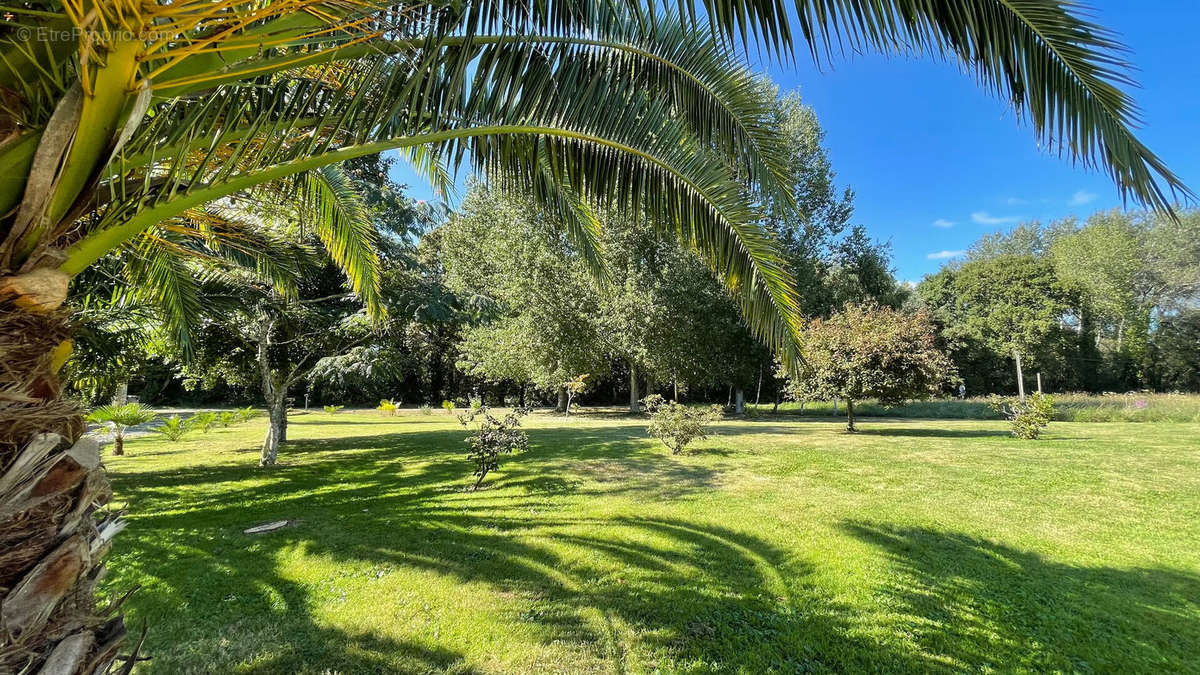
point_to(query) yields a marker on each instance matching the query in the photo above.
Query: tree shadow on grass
(608, 593)
(988, 606)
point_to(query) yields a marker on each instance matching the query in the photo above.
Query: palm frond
(1058, 69)
(329, 202)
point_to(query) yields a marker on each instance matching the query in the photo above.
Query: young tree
(868, 351)
(575, 386)
(119, 418)
(678, 425)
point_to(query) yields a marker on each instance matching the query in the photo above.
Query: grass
(1069, 407)
(778, 545)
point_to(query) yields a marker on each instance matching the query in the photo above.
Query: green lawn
(780, 545)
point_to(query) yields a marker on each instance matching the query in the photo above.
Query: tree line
(1108, 303)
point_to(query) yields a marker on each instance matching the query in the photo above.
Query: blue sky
(936, 161)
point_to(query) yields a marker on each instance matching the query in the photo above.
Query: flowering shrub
(677, 425)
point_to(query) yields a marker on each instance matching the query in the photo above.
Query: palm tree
(120, 120)
(119, 418)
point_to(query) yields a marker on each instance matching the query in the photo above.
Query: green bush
(173, 428)
(333, 409)
(448, 406)
(388, 407)
(1029, 417)
(677, 425)
(493, 437)
(204, 421)
(247, 413)
(226, 419)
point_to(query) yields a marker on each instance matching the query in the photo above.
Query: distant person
(962, 391)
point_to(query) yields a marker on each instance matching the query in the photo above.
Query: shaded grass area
(1069, 407)
(776, 546)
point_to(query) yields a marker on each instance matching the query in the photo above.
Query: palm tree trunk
(119, 445)
(52, 541)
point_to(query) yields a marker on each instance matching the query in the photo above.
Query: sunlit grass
(1069, 407)
(779, 545)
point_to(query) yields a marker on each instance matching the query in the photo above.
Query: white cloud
(942, 222)
(1015, 201)
(944, 255)
(985, 218)
(1082, 197)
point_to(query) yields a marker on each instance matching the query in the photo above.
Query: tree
(574, 386)
(119, 418)
(1009, 304)
(146, 112)
(868, 351)
(1175, 351)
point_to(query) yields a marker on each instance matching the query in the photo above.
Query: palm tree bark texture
(54, 531)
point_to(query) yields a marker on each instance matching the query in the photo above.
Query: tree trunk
(740, 401)
(283, 420)
(121, 395)
(1039, 380)
(758, 392)
(562, 400)
(1020, 374)
(634, 399)
(118, 445)
(52, 540)
(778, 400)
(850, 415)
(275, 393)
(276, 430)
(521, 399)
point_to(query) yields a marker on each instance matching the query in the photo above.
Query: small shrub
(173, 428)
(1028, 418)
(204, 421)
(333, 409)
(119, 418)
(493, 437)
(247, 413)
(426, 409)
(388, 407)
(677, 425)
(576, 385)
(476, 404)
(448, 406)
(226, 419)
